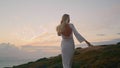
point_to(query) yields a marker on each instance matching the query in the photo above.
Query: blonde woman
(66, 30)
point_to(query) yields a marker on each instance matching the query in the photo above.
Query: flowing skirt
(68, 48)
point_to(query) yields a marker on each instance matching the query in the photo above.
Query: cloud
(118, 33)
(113, 41)
(42, 49)
(44, 39)
(100, 34)
(10, 51)
(11, 55)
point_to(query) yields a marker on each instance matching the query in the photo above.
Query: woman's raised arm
(79, 37)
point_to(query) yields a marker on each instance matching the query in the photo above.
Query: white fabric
(68, 47)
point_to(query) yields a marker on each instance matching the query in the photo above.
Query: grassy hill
(102, 56)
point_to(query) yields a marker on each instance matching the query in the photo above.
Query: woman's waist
(67, 40)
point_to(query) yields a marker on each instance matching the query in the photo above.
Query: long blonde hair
(65, 20)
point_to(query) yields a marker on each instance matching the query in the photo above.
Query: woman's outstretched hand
(88, 43)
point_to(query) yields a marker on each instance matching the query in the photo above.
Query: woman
(66, 30)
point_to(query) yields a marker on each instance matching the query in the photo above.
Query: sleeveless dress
(68, 47)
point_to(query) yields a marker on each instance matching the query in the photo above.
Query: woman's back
(67, 30)
(67, 33)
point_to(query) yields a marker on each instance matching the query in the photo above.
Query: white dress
(68, 47)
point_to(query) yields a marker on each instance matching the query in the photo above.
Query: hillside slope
(102, 56)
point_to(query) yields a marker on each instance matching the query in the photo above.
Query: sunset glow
(28, 27)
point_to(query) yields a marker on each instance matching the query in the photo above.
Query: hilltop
(100, 56)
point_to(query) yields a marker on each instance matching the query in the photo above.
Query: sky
(30, 25)
(34, 21)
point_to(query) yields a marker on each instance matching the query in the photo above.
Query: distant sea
(11, 63)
